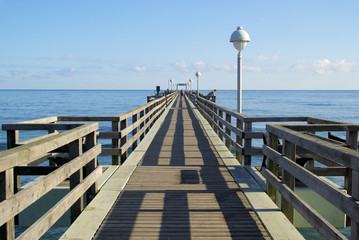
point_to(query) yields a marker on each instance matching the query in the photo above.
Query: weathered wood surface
(181, 189)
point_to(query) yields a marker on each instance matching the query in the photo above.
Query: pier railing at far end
(296, 154)
(66, 151)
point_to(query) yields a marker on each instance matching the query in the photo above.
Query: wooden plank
(34, 170)
(36, 230)
(316, 120)
(275, 119)
(342, 201)
(87, 118)
(329, 171)
(110, 152)
(115, 142)
(7, 227)
(37, 138)
(247, 144)
(39, 126)
(323, 127)
(343, 155)
(26, 197)
(51, 119)
(109, 135)
(290, 152)
(313, 217)
(24, 154)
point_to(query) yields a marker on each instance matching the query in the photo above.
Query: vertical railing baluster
(272, 142)
(134, 131)
(7, 231)
(220, 124)
(289, 151)
(228, 131)
(142, 113)
(247, 144)
(353, 185)
(90, 167)
(123, 125)
(115, 142)
(75, 150)
(239, 141)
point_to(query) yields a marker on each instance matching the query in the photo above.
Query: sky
(140, 44)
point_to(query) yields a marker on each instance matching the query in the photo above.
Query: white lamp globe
(239, 38)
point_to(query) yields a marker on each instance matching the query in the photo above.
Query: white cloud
(181, 66)
(228, 68)
(325, 66)
(199, 65)
(140, 69)
(252, 69)
(225, 67)
(66, 71)
(266, 58)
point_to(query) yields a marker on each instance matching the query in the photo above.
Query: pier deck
(181, 189)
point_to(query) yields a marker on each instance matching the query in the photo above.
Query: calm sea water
(20, 105)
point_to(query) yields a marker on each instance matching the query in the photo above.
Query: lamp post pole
(198, 74)
(239, 82)
(239, 38)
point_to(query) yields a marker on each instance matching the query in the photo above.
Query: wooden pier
(181, 179)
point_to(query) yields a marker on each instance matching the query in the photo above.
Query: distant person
(212, 93)
(182, 92)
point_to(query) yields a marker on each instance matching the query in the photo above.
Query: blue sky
(140, 44)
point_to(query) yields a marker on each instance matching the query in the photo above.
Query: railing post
(239, 140)
(228, 131)
(123, 125)
(134, 131)
(272, 166)
(220, 124)
(90, 167)
(142, 113)
(147, 118)
(289, 180)
(7, 231)
(75, 150)
(115, 142)
(353, 185)
(215, 113)
(247, 144)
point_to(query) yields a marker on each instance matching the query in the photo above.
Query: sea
(21, 105)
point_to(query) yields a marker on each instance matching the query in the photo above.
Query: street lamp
(171, 80)
(190, 84)
(239, 38)
(198, 74)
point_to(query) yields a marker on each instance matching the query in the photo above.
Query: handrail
(326, 152)
(228, 123)
(82, 149)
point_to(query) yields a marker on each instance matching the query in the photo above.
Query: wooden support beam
(288, 179)
(247, 144)
(7, 229)
(115, 142)
(75, 150)
(239, 141)
(123, 125)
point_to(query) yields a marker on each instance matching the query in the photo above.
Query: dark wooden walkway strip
(181, 190)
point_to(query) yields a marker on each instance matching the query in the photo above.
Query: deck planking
(181, 190)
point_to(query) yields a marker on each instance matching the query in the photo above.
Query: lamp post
(171, 81)
(190, 84)
(198, 74)
(239, 38)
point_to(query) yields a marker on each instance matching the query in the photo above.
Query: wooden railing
(142, 119)
(286, 146)
(78, 148)
(236, 129)
(79, 140)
